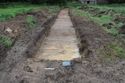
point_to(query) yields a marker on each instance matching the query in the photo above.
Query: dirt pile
(17, 28)
(94, 66)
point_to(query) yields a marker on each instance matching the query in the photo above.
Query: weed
(118, 50)
(111, 51)
(6, 41)
(31, 21)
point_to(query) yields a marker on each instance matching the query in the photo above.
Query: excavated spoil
(26, 43)
(17, 29)
(93, 40)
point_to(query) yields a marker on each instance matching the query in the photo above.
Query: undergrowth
(31, 21)
(112, 51)
(6, 41)
(12, 10)
(104, 19)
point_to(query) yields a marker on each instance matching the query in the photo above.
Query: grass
(31, 21)
(52, 9)
(105, 19)
(11, 11)
(101, 19)
(119, 8)
(117, 50)
(6, 41)
(113, 50)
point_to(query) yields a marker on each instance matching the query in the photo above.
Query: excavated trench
(77, 40)
(59, 46)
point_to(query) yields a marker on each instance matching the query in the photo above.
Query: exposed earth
(71, 38)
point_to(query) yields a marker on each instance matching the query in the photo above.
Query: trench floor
(61, 44)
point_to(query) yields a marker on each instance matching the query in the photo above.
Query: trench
(60, 45)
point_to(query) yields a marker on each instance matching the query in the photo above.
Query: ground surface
(92, 67)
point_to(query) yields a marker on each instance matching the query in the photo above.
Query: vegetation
(116, 7)
(31, 21)
(104, 15)
(117, 50)
(104, 19)
(12, 11)
(112, 51)
(6, 41)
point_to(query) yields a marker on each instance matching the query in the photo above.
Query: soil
(92, 38)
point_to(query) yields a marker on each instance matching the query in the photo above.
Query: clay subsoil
(90, 68)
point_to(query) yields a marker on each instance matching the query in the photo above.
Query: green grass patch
(53, 9)
(104, 19)
(12, 10)
(103, 15)
(112, 31)
(6, 41)
(111, 52)
(119, 8)
(115, 51)
(31, 21)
